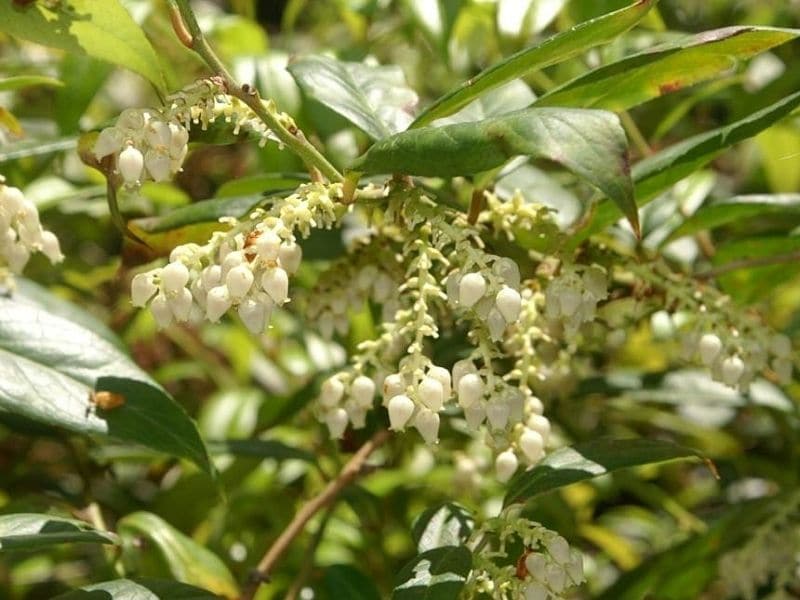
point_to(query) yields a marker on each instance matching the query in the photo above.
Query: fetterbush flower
(21, 234)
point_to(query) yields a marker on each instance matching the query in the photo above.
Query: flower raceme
(21, 234)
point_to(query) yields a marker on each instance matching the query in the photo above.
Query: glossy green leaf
(551, 51)
(188, 561)
(103, 30)
(588, 460)
(30, 531)
(437, 574)
(658, 172)
(138, 588)
(51, 364)
(193, 223)
(22, 81)
(590, 143)
(667, 68)
(738, 210)
(345, 581)
(447, 525)
(374, 98)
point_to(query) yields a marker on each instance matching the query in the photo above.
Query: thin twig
(746, 263)
(185, 22)
(349, 473)
(308, 565)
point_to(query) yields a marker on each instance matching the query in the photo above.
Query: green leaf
(21, 81)
(667, 68)
(345, 581)
(738, 210)
(193, 223)
(103, 30)
(51, 364)
(187, 561)
(588, 460)
(30, 531)
(447, 525)
(658, 172)
(374, 98)
(260, 449)
(29, 147)
(438, 574)
(551, 51)
(590, 143)
(138, 588)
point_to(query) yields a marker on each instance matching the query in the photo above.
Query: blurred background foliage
(255, 391)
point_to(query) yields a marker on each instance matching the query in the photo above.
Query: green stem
(295, 140)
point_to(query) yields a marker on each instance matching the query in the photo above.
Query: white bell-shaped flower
(470, 389)
(509, 303)
(336, 420)
(161, 311)
(505, 465)
(532, 445)
(142, 289)
(400, 408)
(218, 301)
(363, 391)
(239, 281)
(709, 348)
(471, 288)
(275, 282)
(431, 393)
(427, 423)
(331, 392)
(253, 315)
(174, 277)
(130, 164)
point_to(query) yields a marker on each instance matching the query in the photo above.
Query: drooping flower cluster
(770, 558)
(546, 570)
(736, 346)
(447, 270)
(572, 297)
(146, 145)
(246, 268)
(21, 234)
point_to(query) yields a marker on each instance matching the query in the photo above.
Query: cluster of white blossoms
(21, 233)
(146, 145)
(245, 269)
(344, 399)
(546, 571)
(736, 359)
(493, 293)
(330, 301)
(572, 297)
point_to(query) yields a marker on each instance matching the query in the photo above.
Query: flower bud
(181, 305)
(275, 282)
(539, 424)
(427, 423)
(471, 288)
(161, 311)
(441, 375)
(536, 563)
(336, 420)
(174, 277)
(239, 280)
(142, 289)
(509, 303)
(731, 370)
(532, 445)
(393, 385)
(558, 548)
(254, 315)
(158, 164)
(130, 164)
(497, 413)
(505, 465)
(331, 392)
(461, 368)
(470, 389)
(400, 410)
(211, 276)
(556, 578)
(51, 247)
(291, 255)
(431, 393)
(218, 302)
(363, 391)
(536, 591)
(709, 348)
(268, 245)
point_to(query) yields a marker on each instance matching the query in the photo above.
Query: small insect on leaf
(106, 400)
